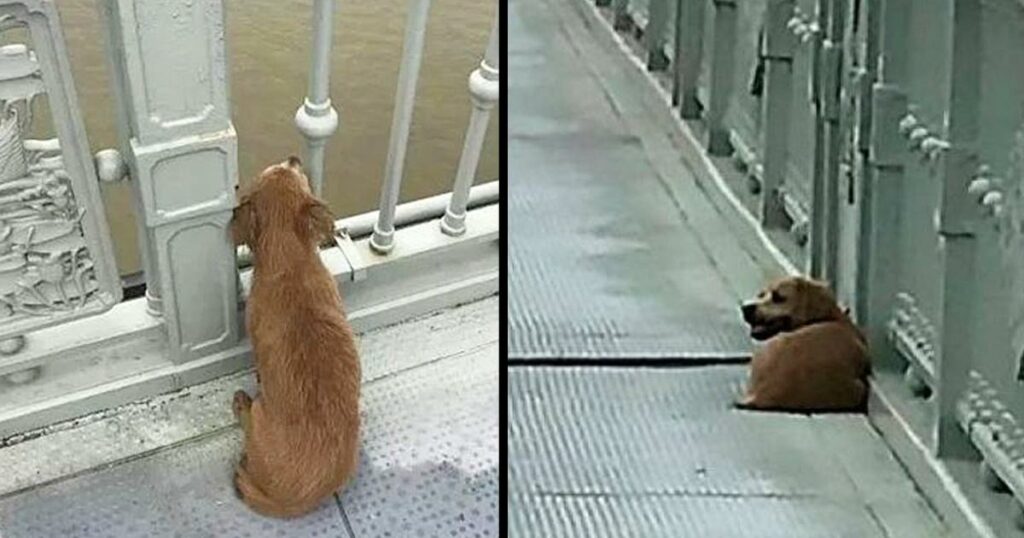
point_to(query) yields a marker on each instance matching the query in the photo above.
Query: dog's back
(305, 436)
(814, 357)
(818, 367)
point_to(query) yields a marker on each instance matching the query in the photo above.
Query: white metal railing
(178, 149)
(316, 118)
(405, 97)
(483, 87)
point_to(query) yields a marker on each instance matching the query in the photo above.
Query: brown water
(269, 47)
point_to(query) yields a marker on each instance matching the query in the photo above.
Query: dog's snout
(748, 309)
(294, 161)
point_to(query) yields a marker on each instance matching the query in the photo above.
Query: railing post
(689, 54)
(722, 77)
(620, 15)
(779, 45)
(819, 182)
(887, 157)
(382, 240)
(317, 119)
(958, 344)
(654, 35)
(832, 65)
(484, 92)
(170, 75)
(866, 194)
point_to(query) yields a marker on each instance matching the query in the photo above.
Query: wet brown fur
(302, 430)
(814, 360)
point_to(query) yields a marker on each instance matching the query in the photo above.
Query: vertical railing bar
(816, 259)
(689, 56)
(778, 91)
(833, 58)
(654, 35)
(723, 54)
(887, 159)
(961, 289)
(382, 240)
(867, 193)
(123, 110)
(621, 19)
(678, 50)
(484, 92)
(317, 119)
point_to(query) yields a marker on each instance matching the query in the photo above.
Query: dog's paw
(746, 402)
(241, 402)
(237, 488)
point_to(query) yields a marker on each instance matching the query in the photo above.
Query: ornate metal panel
(56, 260)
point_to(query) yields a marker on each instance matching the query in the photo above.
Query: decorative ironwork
(998, 436)
(922, 139)
(56, 263)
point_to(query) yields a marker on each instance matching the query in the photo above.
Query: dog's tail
(256, 499)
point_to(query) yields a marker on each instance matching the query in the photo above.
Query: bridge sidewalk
(163, 467)
(619, 263)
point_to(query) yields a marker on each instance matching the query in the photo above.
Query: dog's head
(788, 304)
(280, 198)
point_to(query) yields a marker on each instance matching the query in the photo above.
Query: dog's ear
(318, 220)
(244, 225)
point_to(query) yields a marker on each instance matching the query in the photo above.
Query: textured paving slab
(660, 452)
(139, 428)
(428, 461)
(182, 492)
(602, 262)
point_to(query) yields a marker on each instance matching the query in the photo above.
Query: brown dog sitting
(815, 358)
(302, 431)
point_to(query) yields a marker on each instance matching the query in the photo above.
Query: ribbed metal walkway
(616, 255)
(602, 262)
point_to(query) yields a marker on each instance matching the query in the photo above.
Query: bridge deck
(617, 255)
(163, 468)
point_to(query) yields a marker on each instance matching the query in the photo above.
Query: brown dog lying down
(815, 358)
(302, 431)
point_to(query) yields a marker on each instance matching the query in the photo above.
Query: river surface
(268, 49)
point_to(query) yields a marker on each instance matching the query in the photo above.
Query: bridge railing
(69, 344)
(882, 142)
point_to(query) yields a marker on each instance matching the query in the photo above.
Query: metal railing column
(779, 45)
(317, 119)
(887, 159)
(723, 75)
(654, 34)
(382, 240)
(832, 80)
(958, 344)
(689, 53)
(182, 154)
(484, 92)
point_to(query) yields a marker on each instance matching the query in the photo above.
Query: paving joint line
(630, 362)
(671, 494)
